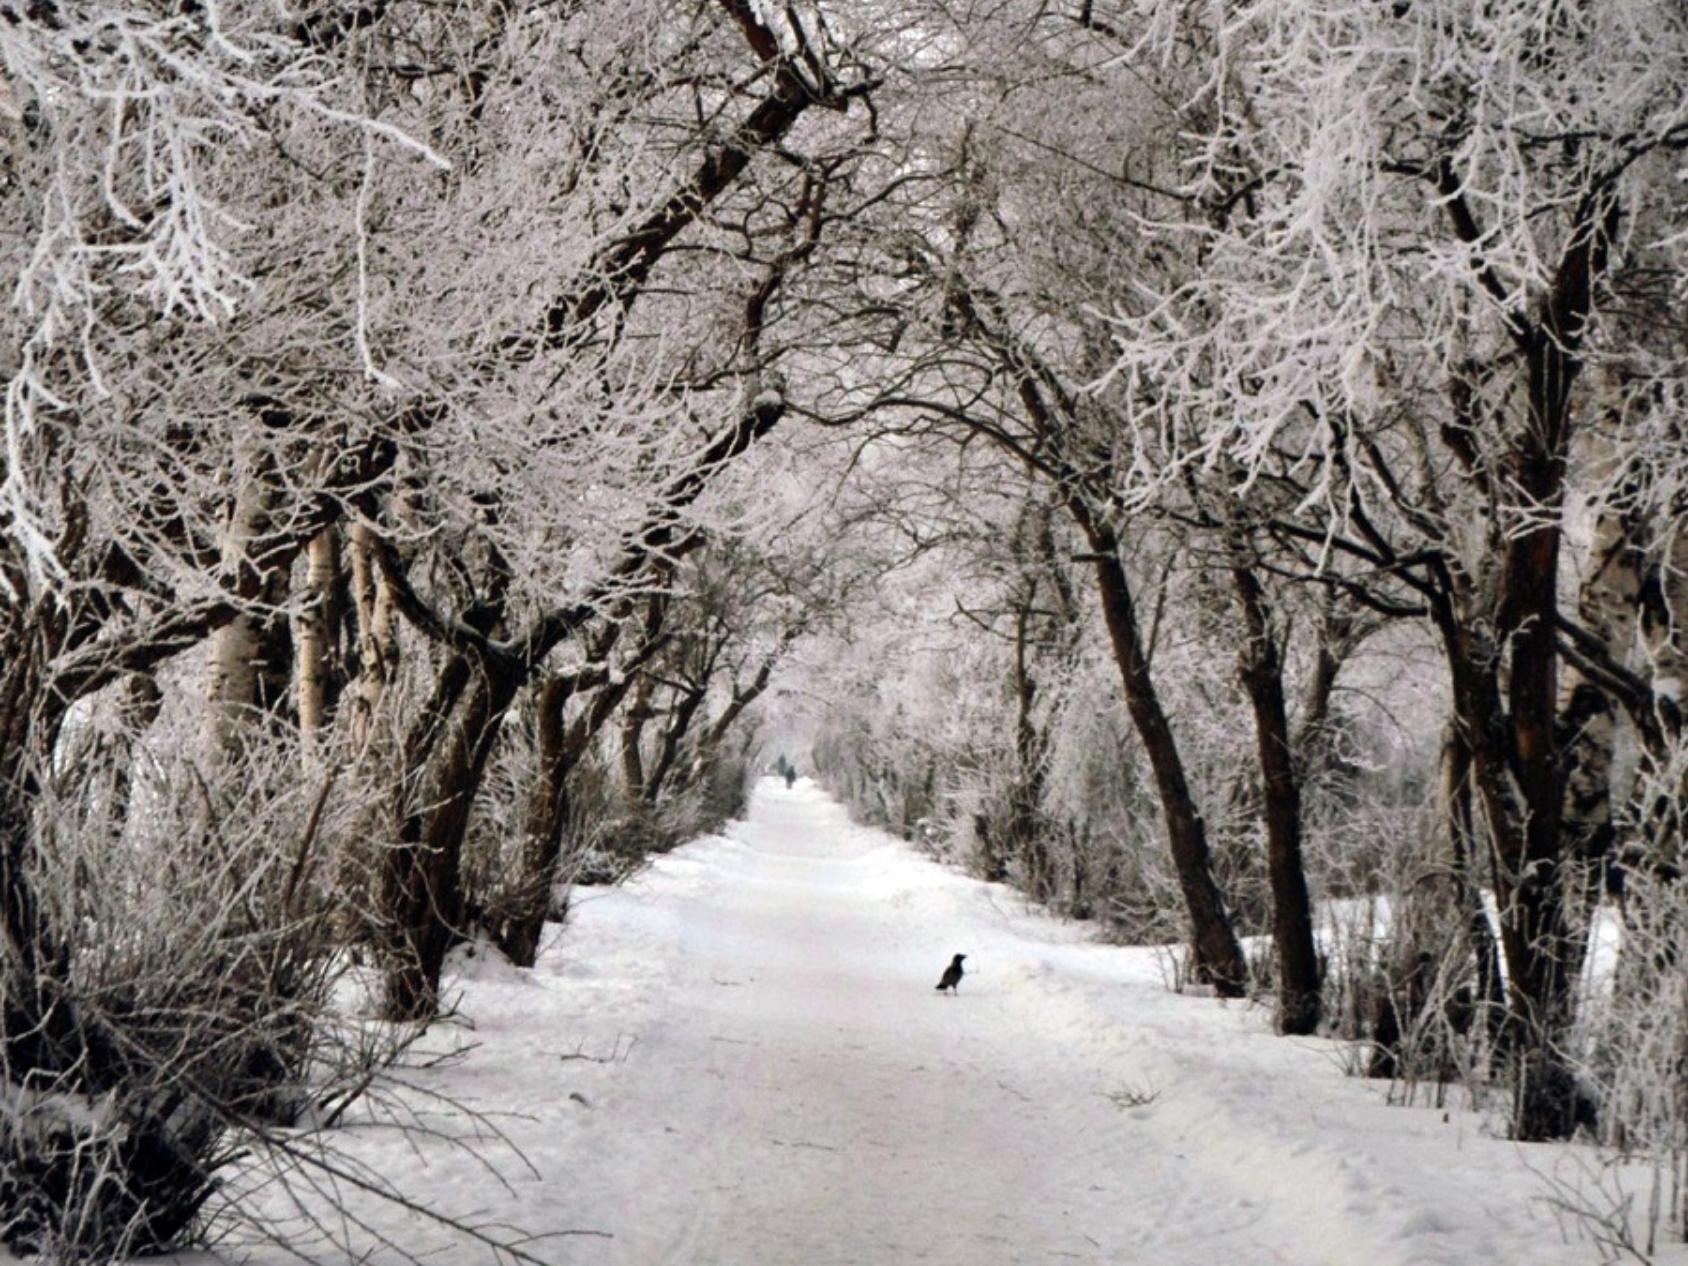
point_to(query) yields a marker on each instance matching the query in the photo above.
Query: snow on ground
(775, 1082)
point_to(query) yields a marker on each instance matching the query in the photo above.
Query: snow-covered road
(822, 1103)
(770, 1079)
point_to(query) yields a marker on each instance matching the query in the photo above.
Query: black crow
(952, 974)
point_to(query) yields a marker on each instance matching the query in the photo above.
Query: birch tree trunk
(377, 634)
(315, 633)
(244, 675)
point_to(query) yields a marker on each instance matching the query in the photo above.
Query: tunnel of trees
(1218, 469)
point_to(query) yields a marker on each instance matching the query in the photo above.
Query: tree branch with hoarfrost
(1402, 309)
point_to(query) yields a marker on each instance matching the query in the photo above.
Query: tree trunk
(421, 895)
(632, 740)
(1529, 879)
(251, 658)
(316, 628)
(1658, 848)
(1608, 606)
(1260, 664)
(1339, 633)
(1026, 794)
(673, 735)
(561, 747)
(529, 894)
(1665, 620)
(249, 653)
(736, 707)
(377, 634)
(1218, 956)
(518, 931)
(1462, 843)
(30, 717)
(142, 703)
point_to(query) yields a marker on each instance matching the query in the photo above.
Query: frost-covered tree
(1419, 228)
(159, 953)
(619, 380)
(976, 303)
(381, 276)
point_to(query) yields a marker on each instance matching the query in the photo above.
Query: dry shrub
(176, 1016)
(1635, 1055)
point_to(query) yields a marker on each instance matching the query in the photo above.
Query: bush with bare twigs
(185, 1022)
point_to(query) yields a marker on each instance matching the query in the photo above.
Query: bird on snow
(952, 974)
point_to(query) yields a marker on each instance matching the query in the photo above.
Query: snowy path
(841, 1111)
(797, 1094)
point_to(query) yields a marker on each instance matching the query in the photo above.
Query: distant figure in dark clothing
(952, 975)
(790, 777)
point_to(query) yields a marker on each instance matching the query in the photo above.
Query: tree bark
(673, 736)
(30, 720)
(1658, 848)
(1608, 607)
(316, 628)
(529, 894)
(248, 672)
(1260, 665)
(1340, 631)
(736, 706)
(1462, 844)
(421, 882)
(142, 703)
(250, 660)
(561, 746)
(1026, 794)
(633, 724)
(377, 634)
(1529, 879)
(1665, 620)
(1218, 955)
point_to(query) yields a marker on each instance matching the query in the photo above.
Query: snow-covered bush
(177, 1003)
